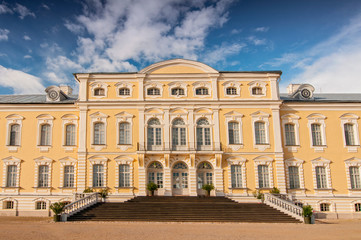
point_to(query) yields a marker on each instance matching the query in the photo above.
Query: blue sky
(315, 41)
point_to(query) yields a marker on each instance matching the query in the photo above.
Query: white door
(180, 179)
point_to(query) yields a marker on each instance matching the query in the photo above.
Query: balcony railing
(82, 202)
(284, 206)
(190, 146)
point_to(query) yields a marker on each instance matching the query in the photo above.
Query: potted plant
(274, 191)
(57, 208)
(152, 187)
(88, 190)
(257, 194)
(208, 188)
(307, 213)
(104, 193)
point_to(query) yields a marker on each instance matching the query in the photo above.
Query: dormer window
(153, 92)
(99, 92)
(257, 91)
(202, 91)
(124, 92)
(231, 91)
(177, 91)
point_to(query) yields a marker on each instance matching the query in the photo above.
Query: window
(153, 92)
(43, 180)
(70, 135)
(124, 92)
(257, 91)
(263, 176)
(202, 91)
(98, 175)
(177, 91)
(236, 174)
(178, 133)
(321, 177)
(99, 134)
(357, 207)
(155, 174)
(316, 135)
(69, 176)
(290, 134)
(14, 135)
(355, 177)
(203, 133)
(324, 207)
(41, 205)
(349, 134)
(124, 133)
(260, 133)
(231, 91)
(124, 175)
(154, 132)
(11, 175)
(233, 133)
(294, 177)
(8, 204)
(99, 92)
(45, 135)
(204, 174)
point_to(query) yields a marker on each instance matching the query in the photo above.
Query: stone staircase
(183, 209)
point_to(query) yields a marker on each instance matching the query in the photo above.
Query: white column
(217, 144)
(142, 181)
(214, 86)
(166, 130)
(191, 130)
(140, 78)
(167, 181)
(218, 181)
(83, 87)
(82, 150)
(192, 184)
(274, 89)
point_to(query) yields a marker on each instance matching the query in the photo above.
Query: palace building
(181, 124)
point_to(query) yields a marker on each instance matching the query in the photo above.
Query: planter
(57, 218)
(307, 220)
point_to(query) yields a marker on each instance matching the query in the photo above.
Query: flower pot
(57, 218)
(307, 220)
(152, 193)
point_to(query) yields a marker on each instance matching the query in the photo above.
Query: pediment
(178, 66)
(124, 114)
(233, 113)
(98, 115)
(15, 117)
(260, 113)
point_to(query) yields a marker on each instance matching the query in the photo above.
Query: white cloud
(261, 29)
(220, 53)
(236, 31)
(257, 41)
(4, 34)
(45, 6)
(74, 28)
(5, 9)
(23, 11)
(19, 81)
(27, 38)
(27, 57)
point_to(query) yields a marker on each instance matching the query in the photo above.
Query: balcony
(189, 147)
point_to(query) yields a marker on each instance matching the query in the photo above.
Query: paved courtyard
(44, 228)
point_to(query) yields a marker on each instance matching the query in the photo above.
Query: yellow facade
(201, 126)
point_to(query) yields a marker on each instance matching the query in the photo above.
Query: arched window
(124, 133)
(68, 176)
(99, 92)
(260, 133)
(14, 135)
(153, 92)
(233, 133)
(45, 135)
(204, 174)
(154, 133)
(257, 91)
(41, 205)
(99, 136)
(231, 91)
(155, 174)
(98, 175)
(43, 178)
(177, 91)
(349, 134)
(70, 135)
(178, 133)
(202, 91)
(290, 134)
(124, 92)
(316, 134)
(203, 133)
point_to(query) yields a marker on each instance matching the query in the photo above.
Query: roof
(326, 97)
(33, 98)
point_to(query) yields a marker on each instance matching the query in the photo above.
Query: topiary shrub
(152, 187)
(208, 188)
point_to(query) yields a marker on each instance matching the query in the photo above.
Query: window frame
(350, 118)
(69, 177)
(8, 162)
(291, 119)
(260, 117)
(64, 162)
(155, 92)
(202, 91)
(259, 84)
(352, 162)
(325, 163)
(156, 132)
(41, 205)
(98, 117)
(124, 117)
(98, 85)
(232, 84)
(203, 129)
(295, 162)
(317, 118)
(13, 119)
(42, 161)
(237, 161)
(72, 136)
(98, 160)
(123, 85)
(181, 138)
(266, 161)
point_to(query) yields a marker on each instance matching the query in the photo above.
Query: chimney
(292, 88)
(66, 89)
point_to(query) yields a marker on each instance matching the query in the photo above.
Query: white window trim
(41, 199)
(96, 85)
(322, 162)
(153, 85)
(38, 162)
(234, 84)
(350, 118)
(121, 85)
(45, 119)
(96, 118)
(295, 162)
(182, 85)
(13, 119)
(332, 206)
(67, 161)
(234, 116)
(208, 116)
(352, 162)
(124, 160)
(317, 119)
(239, 161)
(9, 199)
(202, 84)
(149, 114)
(291, 119)
(262, 117)
(11, 161)
(66, 120)
(264, 160)
(126, 118)
(182, 116)
(259, 84)
(98, 160)
(353, 205)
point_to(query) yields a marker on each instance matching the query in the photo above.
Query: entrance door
(180, 179)
(204, 176)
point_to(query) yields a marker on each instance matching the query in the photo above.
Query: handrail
(284, 206)
(77, 196)
(74, 207)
